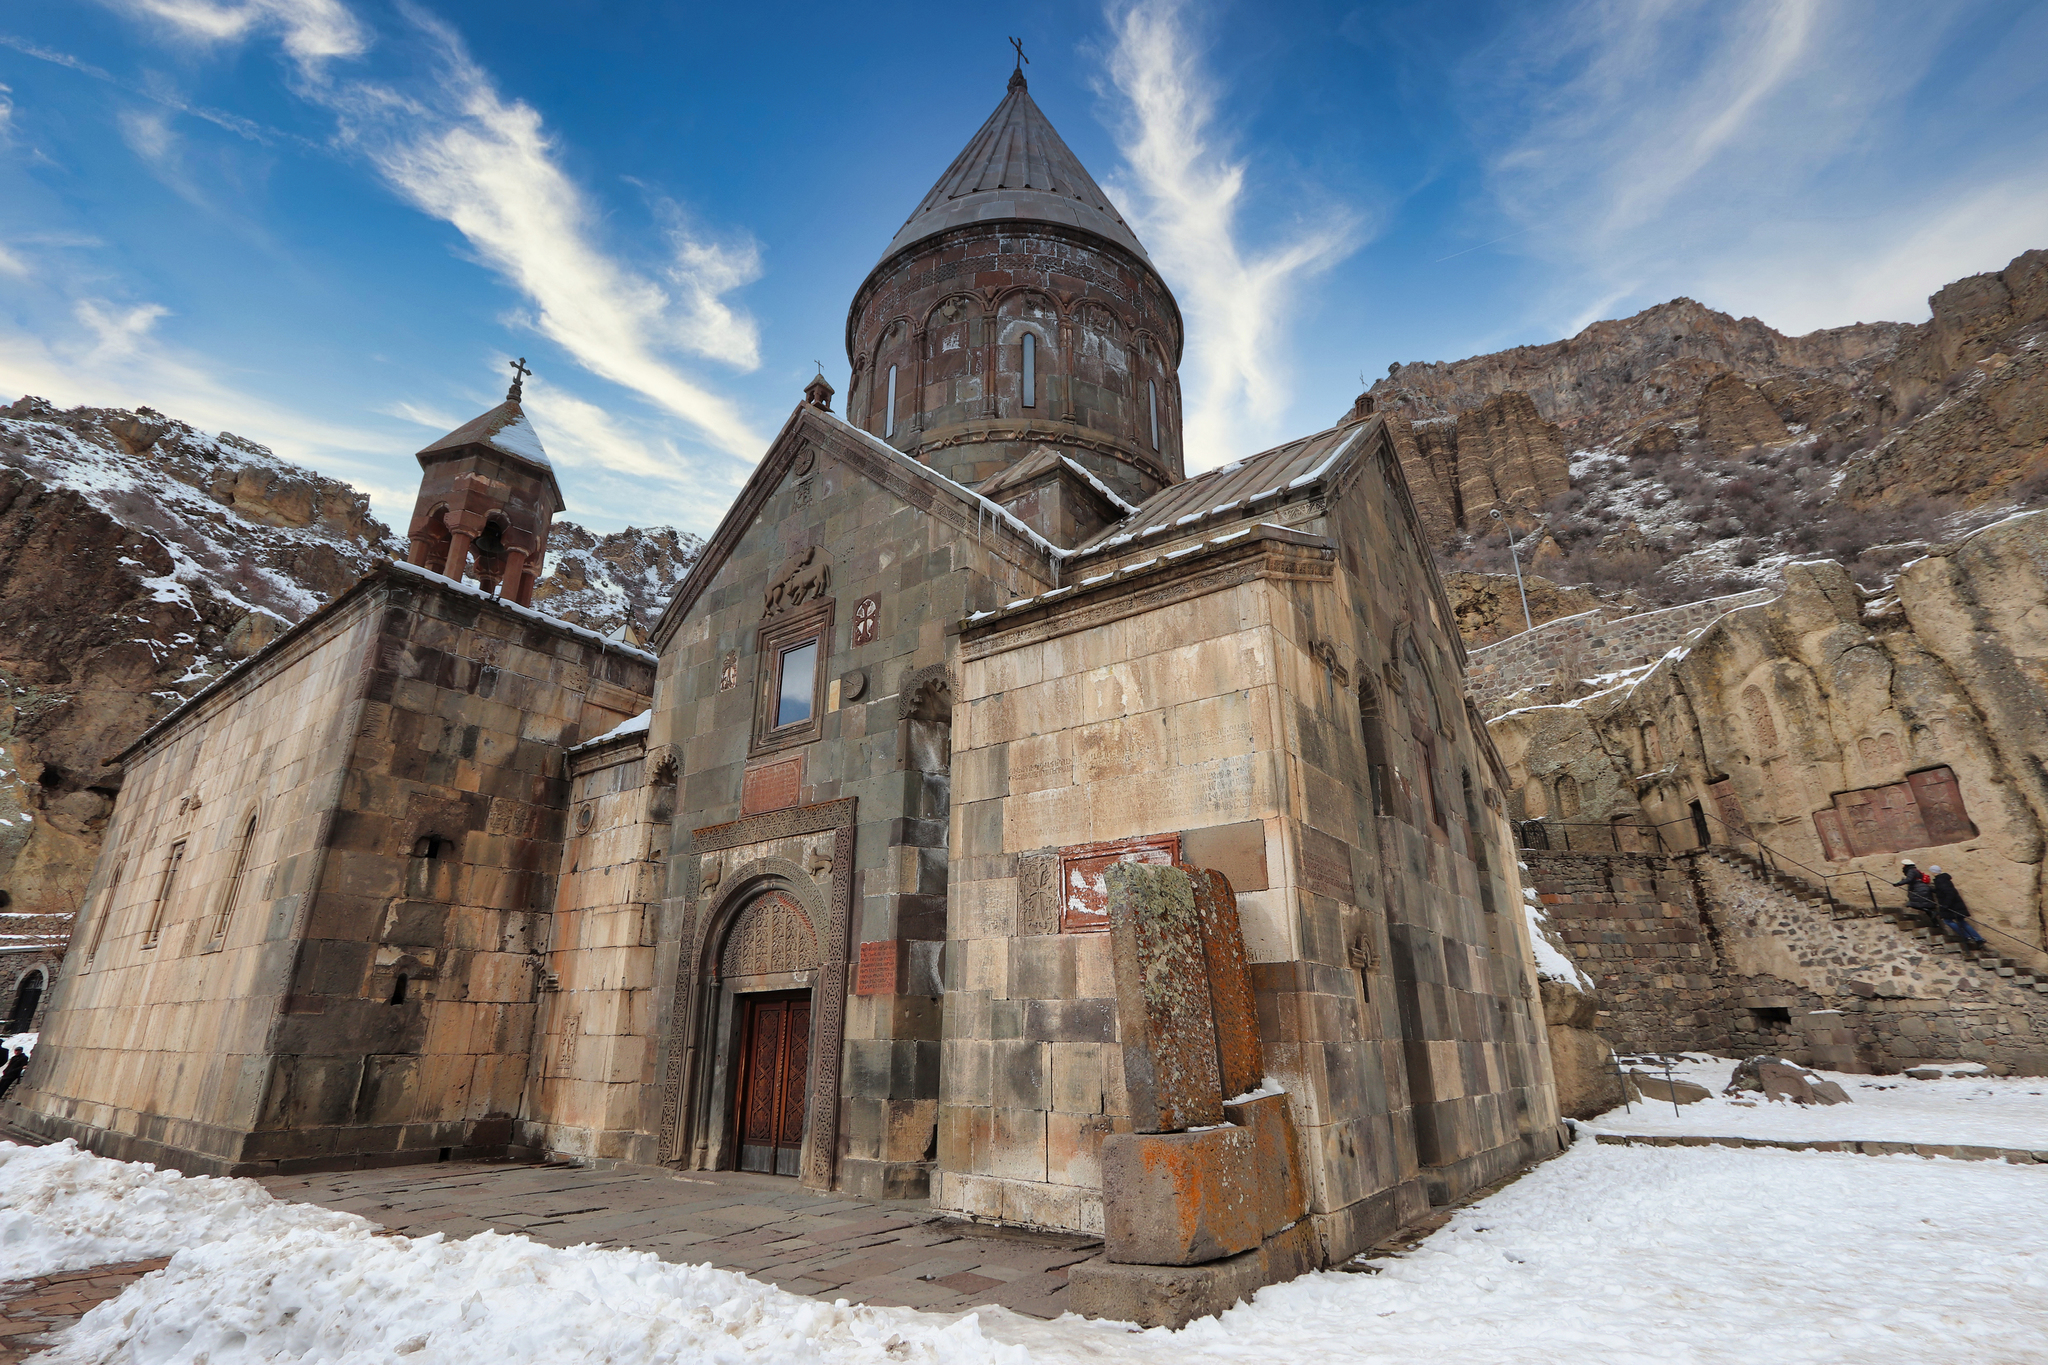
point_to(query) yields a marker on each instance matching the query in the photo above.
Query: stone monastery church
(1004, 818)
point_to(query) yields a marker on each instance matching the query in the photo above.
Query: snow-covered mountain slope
(140, 557)
(619, 580)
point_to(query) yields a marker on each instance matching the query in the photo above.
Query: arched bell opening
(430, 541)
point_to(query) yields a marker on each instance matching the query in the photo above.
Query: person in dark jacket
(11, 1072)
(1954, 913)
(1919, 893)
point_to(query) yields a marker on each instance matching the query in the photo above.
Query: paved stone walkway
(32, 1309)
(885, 1253)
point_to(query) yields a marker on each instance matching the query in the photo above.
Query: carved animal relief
(806, 578)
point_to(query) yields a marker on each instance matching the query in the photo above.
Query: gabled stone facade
(825, 892)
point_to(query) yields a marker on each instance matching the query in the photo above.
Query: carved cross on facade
(519, 373)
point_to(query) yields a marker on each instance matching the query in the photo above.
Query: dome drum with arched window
(1016, 311)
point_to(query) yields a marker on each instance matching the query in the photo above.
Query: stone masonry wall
(1691, 953)
(1563, 651)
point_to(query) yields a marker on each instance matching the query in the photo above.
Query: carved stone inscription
(878, 973)
(1084, 895)
(1326, 865)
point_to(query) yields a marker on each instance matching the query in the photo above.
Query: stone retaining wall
(1689, 953)
(1588, 644)
(2014, 1156)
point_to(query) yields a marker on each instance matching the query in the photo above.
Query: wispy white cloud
(1185, 193)
(484, 164)
(1767, 156)
(419, 414)
(108, 354)
(459, 150)
(118, 332)
(311, 31)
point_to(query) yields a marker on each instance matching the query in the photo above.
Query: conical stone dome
(1015, 313)
(1017, 166)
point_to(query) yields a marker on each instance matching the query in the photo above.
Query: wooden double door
(775, 1062)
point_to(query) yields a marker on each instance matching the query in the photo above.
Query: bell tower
(487, 498)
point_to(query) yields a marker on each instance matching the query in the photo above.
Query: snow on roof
(504, 428)
(636, 726)
(518, 437)
(1098, 485)
(555, 621)
(993, 509)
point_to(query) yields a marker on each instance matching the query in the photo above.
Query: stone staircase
(1908, 922)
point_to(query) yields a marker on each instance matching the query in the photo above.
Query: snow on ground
(1987, 1111)
(25, 1041)
(1690, 1256)
(62, 1209)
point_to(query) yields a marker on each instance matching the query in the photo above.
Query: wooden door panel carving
(774, 1067)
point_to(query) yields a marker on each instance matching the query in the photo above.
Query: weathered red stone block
(1283, 1194)
(1240, 1058)
(1180, 1198)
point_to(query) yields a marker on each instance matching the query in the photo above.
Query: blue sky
(326, 224)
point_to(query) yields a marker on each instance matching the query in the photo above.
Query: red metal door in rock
(775, 1057)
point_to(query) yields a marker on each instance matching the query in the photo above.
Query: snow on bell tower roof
(504, 428)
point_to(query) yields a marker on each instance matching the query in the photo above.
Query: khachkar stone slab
(1164, 1014)
(1240, 1057)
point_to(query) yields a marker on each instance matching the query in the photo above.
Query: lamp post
(1527, 624)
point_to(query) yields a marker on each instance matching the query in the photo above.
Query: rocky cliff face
(140, 558)
(1500, 454)
(1707, 451)
(1842, 729)
(1621, 374)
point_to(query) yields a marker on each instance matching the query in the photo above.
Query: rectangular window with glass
(1030, 370)
(1152, 399)
(798, 669)
(792, 698)
(889, 413)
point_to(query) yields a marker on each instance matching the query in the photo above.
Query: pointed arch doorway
(766, 967)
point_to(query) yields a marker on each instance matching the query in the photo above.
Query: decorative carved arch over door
(728, 888)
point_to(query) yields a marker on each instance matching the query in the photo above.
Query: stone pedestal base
(1175, 1295)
